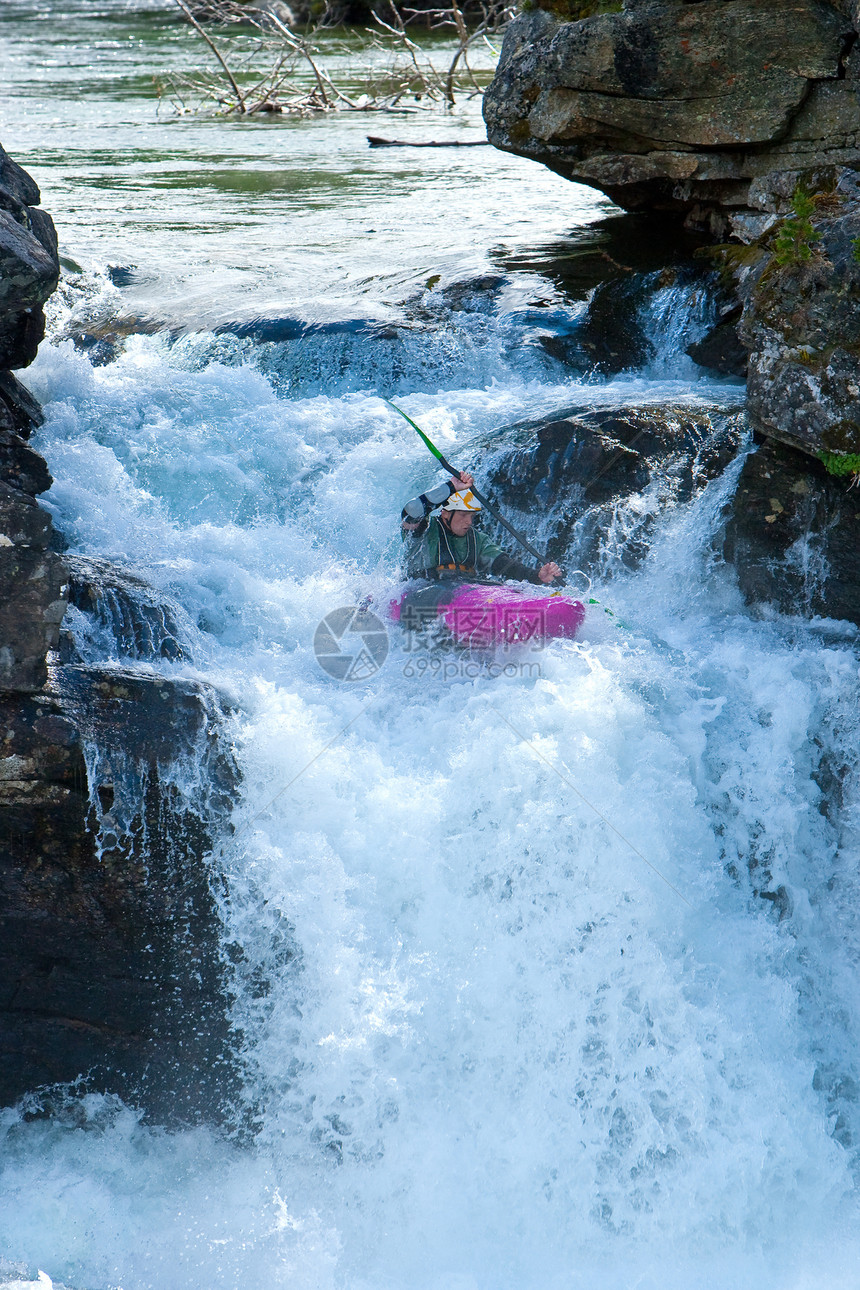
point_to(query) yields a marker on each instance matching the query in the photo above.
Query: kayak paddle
(446, 465)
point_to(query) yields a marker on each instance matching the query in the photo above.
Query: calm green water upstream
(224, 217)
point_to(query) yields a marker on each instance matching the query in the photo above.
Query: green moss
(840, 463)
(729, 258)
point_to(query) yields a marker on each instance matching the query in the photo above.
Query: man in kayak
(447, 546)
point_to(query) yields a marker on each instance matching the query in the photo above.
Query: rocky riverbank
(112, 976)
(741, 121)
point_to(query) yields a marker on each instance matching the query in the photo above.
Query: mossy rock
(729, 258)
(520, 131)
(572, 10)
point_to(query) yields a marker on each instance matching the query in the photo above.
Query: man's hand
(465, 481)
(549, 572)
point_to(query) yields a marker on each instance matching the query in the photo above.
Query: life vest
(451, 565)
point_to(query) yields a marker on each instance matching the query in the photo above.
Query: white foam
(499, 1048)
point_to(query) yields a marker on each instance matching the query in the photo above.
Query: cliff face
(110, 969)
(111, 975)
(682, 107)
(32, 578)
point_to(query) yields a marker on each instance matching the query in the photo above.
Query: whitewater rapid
(546, 980)
(524, 1024)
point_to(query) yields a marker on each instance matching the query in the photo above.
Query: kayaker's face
(460, 523)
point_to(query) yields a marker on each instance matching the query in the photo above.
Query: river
(523, 1029)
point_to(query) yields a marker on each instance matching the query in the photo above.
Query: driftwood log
(375, 142)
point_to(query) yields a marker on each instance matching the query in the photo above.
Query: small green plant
(855, 248)
(840, 463)
(793, 242)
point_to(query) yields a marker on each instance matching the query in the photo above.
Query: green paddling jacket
(432, 551)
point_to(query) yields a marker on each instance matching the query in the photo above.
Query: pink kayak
(481, 615)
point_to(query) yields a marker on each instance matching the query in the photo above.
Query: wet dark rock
(613, 334)
(32, 577)
(21, 334)
(19, 411)
(20, 467)
(100, 350)
(675, 106)
(793, 534)
(478, 294)
(721, 349)
(130, 620)
(564, 478)
(121, 275)
(17, 188)
(29, 265)
(114, 787)
(472, 293)
(110, 969)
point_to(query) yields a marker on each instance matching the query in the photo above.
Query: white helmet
(465, 500)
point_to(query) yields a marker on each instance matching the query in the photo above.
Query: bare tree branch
(215, 50)
(272, 62)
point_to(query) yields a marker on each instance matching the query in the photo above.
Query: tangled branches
(259, 63)
(440, 85)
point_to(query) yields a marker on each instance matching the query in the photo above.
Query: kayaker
(447, 546)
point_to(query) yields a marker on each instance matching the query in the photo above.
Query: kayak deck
(481, 615)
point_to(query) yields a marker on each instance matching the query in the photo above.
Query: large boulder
(590, 486)
(674, 106)
(566, 478)
(741, 115)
